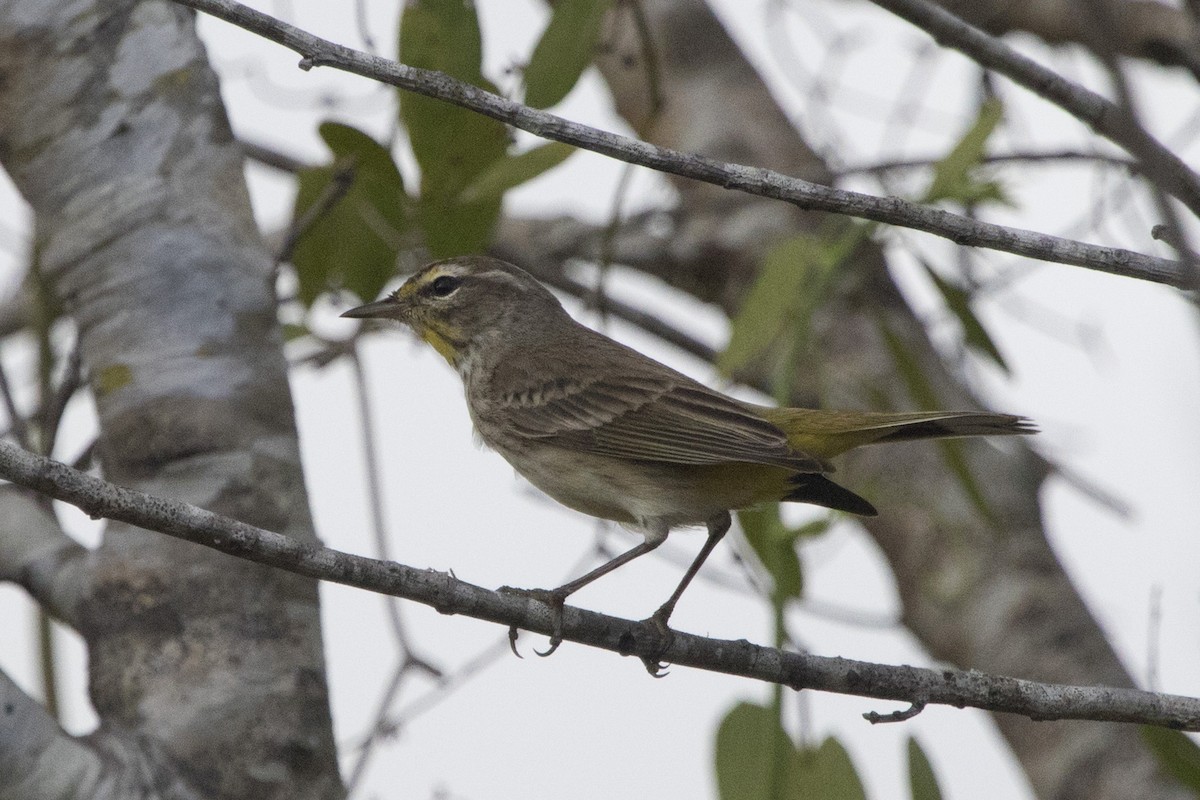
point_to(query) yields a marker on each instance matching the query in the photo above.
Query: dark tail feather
(811, 487)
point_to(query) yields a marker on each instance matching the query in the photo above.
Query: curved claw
(656, 668)
(554, 643)
(513, 633)
(555, 601)
(658, 619)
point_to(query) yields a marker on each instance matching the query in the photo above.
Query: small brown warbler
(610, 432)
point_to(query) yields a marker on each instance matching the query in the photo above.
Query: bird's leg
(718, 526)
(556, 598)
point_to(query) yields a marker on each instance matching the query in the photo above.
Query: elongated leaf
(452, 146)
(825, 773)
(772, 302)
(921, 780)
(354, 231)
(1178, 754)
(793, 280)
(751, 749)
(954, 177)
(512, 171)
(775, 546)
(922, 392)
(562, 54)
(958, 300)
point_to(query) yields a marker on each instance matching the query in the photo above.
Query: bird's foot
(553, 598)
(658, 620)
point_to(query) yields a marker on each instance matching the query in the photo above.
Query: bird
(612, 433)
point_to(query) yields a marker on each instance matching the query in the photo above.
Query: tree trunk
(207, 671)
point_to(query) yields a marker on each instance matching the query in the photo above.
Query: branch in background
(1055, 156)
(1104, 117)
(270, 157)
(451, 596)
(752, 180)
(36, 554)
(36, 756)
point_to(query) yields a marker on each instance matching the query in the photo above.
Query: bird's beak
(387, 308)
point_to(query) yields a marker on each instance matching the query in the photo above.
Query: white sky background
(1108, 367)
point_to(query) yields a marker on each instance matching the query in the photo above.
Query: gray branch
(38, 555)
(448, 595)
(752, 180)
(1103, 116)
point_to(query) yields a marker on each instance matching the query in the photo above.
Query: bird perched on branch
(610, 432)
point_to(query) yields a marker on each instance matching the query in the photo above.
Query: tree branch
(38, 761)
(38, 555)
(451, 596)
(752, 180)
(1103, 116)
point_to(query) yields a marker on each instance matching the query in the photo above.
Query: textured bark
(206, 668)
(1147, 29)
(980, 594)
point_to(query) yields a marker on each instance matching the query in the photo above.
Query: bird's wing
(651, 418)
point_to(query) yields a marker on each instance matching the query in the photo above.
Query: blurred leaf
(512, 171)
(775, 546)
(954, 177)
(353, 241)
(958, 300)
(562, 54)
(793, 281)
(825, 773)
(749, 742)
(774, 300)
(926, 399)
(921, 780)
(452, 146)
(294, 330)
(1178, 754)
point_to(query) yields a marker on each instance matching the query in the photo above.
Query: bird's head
(462, 303)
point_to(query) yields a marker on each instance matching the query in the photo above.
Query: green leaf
(295, 330)
(773, 301)
(751, 749)
(452, 146)
(793, 280)
(512, 171)
(825, 773)
(954, 176)
(958, 300)
(356, 232)
(926, 398)
(921, 780)
(775, 546)
(1177, 753)
(562, 54)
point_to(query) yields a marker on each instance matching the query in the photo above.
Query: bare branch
(38, 555)
(449, 595)
(1104, 117)
(752, 180)
(38, 761)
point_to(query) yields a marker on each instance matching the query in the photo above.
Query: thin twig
(333, 192)
(753, 180)
(448, 595)
(999, 158)
(378, 727)
(57, 402)
(1100, 114)
(16, 422)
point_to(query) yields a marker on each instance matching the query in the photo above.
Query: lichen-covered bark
(208, 667)
(980, 594)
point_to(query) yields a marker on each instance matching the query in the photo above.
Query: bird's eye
(444, 285)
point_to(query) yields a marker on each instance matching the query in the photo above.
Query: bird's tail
(825, 434)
